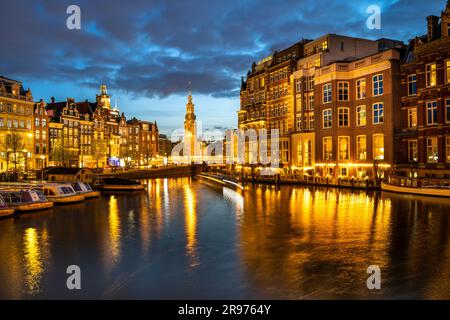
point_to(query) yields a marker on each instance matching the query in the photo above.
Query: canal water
(188, 239)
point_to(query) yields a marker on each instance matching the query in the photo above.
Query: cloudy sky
(147, 51)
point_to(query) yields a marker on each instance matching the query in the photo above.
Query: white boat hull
(434, 192)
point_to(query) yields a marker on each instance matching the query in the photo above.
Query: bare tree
(14, 150)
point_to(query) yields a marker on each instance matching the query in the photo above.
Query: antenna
(190, 87)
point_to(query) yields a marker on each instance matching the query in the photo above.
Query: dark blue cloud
(153, 48)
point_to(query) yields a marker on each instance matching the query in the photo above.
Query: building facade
(423, 142)
(357, 112)
(95, 135)
(283, 92)
(16, 127)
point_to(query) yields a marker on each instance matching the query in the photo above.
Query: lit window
(361, 115)
(447, 148)
(378, 113)
(447, 71)
(378, 147)
(343, 88)
(311, 102)
(412, 85)
(317, 63)
(343, 171)
(327, 93)
(343, 117)
(299, 122)
(311, 121)
(430, 71)
(344, 148)
(307, 146)
(327, 118)
(361, 89)
(361, 147)
(432, 150)
(378, 86)
(413, 151)
(324, 45)
(412, 118)
(431, 112)
(447, 110)
(327, 148)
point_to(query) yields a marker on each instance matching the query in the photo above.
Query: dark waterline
(187, 239)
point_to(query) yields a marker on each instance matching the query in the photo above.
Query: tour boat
(435, 191)
(25, 200)
(117, 184)
(85, 190)
(5, 211)
(61, 193)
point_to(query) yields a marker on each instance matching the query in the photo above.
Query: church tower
(190, 134)
(104, 98)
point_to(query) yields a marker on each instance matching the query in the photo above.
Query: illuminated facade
(41, 133)
(423, 143)
(357, 112)
(16, 127)
(95, 135)
(280, 93)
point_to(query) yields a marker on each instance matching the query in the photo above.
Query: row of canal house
(350, 107)
(69, 133)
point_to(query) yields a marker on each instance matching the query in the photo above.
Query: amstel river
(188, 239)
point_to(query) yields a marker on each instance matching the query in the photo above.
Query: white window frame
(345, 87)
(360, 94)
(376, 79)
(428, 81)
(348, 148)
(382, 112)
(409, 81)
(343, 114)
(358, 153)
(409, 112)
(427, 104)
(323, 118)
(327, 88)
(431, 147)
(358, 118)
(373, 143)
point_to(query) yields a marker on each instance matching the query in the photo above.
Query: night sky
(147, 51)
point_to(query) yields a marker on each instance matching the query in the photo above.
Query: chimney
(433, 27)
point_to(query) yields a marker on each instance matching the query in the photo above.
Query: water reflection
(186, 239)
(114, 228)
(35, 250)
(191, 225)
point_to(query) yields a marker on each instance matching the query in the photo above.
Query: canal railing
(350, 183)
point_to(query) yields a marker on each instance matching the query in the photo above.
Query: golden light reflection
(285, 223)
(34, 266)
(191, 224)
(236, 199)
(114, 228)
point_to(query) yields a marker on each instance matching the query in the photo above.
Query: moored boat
(60, 193)
(117, 184)
(5, 211)
(436, 191)
(25, 200)
(85, 190)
